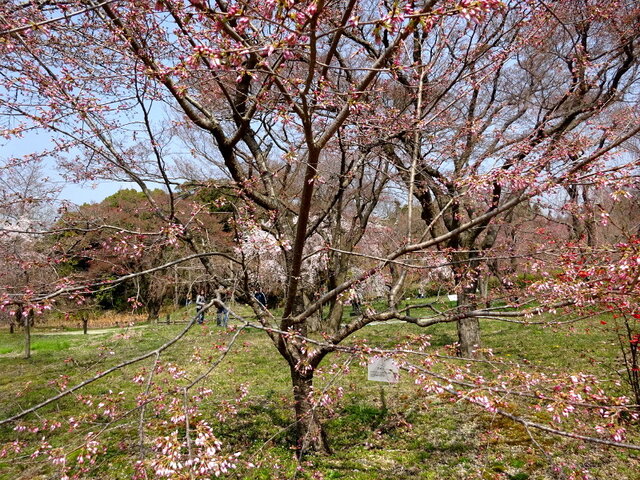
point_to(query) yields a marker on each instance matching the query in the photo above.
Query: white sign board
(383, 370)
(452, 298)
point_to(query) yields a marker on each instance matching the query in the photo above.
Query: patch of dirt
(98, 331)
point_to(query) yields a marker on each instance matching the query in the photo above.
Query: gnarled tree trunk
(468, 337)
(468, 328)
(153, 311)
(310, 432)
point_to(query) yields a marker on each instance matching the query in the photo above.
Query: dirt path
(104, 331)
(97, 331)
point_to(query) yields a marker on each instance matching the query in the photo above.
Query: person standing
(356, 302)
(261, 298)
(222, 317)
(200, 302)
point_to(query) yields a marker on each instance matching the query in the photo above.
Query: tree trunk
(27, 333)
(483, 287)
(315, 322)
(153, 310)
(310, 434)
(468, 337)
(468, 328)
(176, 293)
(334, 320)
(85, 324)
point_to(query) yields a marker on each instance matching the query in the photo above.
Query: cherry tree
(25, 206)
(311, 113)
(519, 104)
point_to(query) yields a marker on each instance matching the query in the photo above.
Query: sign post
(382, 369)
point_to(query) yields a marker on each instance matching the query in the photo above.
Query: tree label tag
(383, 370)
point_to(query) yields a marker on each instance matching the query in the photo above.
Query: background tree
(120, 236)
(25, 268)
(512, 106)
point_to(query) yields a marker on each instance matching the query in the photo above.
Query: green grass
(377, 431)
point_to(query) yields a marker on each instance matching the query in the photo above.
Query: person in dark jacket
(261, 298)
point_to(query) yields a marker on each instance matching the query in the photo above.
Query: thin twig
(103, 374)
(146, 392)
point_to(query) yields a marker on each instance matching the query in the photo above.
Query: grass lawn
(377, 431)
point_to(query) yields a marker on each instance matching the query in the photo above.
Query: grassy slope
(377, 431)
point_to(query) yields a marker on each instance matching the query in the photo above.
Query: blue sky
(77, 193)
(91, 191)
